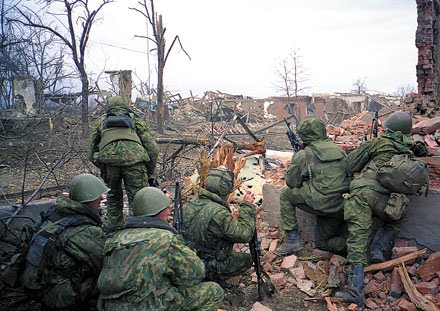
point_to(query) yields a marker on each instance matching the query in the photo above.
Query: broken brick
(269, 256)
(265, 242)
(379, 276)
(338, 260)
(298, 273)
(369, 303)
(429, 269)
(426, 287)
(396, 284)
(259, 307)
(402, 251)
(278, 279)
(352, 307)
(273, 245)
(405, 305)
(288, 262)
(371, 287)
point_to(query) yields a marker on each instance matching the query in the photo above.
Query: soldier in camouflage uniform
(122, 147)
(209, 225)
(148, 267)
(316, 180)
(369, 199)
(64, 257)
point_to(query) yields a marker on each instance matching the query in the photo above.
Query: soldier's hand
(249, 196)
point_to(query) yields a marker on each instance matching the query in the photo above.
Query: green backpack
(403, 174)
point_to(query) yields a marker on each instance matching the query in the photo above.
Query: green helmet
(116, 102)
(220, 181)
(86, 188)
(399, 121)
(150, 201)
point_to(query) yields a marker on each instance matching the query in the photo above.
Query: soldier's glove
(152, 182)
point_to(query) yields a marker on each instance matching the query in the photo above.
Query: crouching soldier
(316, 180)
(64, 257)
(209, 225)
(148, 267)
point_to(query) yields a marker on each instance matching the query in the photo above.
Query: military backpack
(404, 173)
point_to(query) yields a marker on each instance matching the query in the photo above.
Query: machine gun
(294, 141)
(263, 280)
(177, 211)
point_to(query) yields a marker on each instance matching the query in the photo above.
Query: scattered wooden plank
(394, 262)
(418, 299)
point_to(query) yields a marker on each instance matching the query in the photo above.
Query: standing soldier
(122, 147)
(64, 257)
(368, 198)
(148, 267)
(316, 179)
(210, 226)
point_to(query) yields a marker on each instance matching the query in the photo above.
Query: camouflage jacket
(124, 152)
(208, 223)
(318, 172)
(148, 264)
(372, 154)
(79, 259)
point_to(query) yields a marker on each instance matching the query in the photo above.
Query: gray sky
(235, 45)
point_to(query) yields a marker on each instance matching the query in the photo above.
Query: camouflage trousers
(206, 296)
(135, 177)
(330, 230)
(220, 270)
(360, 209)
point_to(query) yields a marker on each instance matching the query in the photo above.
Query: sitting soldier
(64, 257)
(148, 267)
(209, 225)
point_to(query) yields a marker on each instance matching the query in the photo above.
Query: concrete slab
(423, 220)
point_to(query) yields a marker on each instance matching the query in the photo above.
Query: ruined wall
(428, 64)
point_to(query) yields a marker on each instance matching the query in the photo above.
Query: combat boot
(291, 244)
(355, 282)
(382, 244)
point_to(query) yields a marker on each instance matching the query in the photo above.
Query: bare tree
(73, 27)
(359, 85)
(158, 39)
(404, 90)
(291, 75)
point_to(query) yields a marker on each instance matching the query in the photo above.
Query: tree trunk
(85, 105)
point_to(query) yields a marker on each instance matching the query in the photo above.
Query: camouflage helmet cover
(399, 121)
(150, 201)
(86, 188)
(115, 102)
(312, 129)
(220, 181)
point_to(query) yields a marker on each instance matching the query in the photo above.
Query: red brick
(298, 273)
(273, 245)
(352, 307)
(429, 269)
(396, 284)
(369, 303)
(269, 256)
(402, 251)
(370, 287)
(288, 262)
(265, 242)
(405, 305)
(379, 276)
(426, 287)
(279, 279)
(412, 270)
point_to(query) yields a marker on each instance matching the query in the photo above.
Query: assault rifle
(178, 212)
(374, 125)
(294, 141)
(263, 280)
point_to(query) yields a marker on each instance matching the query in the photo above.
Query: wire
(119, 47)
